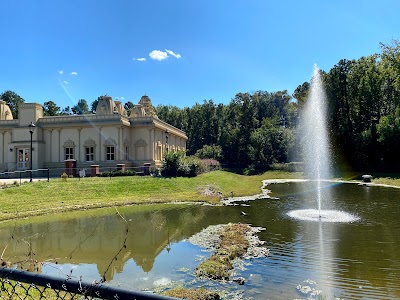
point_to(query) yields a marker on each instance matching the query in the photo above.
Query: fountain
(317, 156)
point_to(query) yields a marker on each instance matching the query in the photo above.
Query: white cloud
(61, 72)
(65, 82)
(74, 73)
(158, 55)
(176, 55)
(141, 59)
(122, 98)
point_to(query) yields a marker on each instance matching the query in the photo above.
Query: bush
(190, 166)
(176, 164)
(171, 163)
(118, 173)
(211, 164)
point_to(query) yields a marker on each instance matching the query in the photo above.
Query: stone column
(4, 147)
(99, 159)
(50, 144)
(119, 146)
(59, 145)
(79, 145)
(150, 151)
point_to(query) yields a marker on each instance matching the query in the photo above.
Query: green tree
(301, 93)
(128, 107)
(51, 109)
(81, 108)
(210, 151)
(66, 111)
(388, 131)
(13, 101)
(270, 144)
(93, 106)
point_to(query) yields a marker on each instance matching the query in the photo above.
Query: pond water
(358, 260)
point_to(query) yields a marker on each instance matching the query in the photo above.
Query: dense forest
(260, 129)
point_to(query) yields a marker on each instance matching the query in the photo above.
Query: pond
(358, 260)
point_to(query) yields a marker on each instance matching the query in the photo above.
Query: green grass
(191, 294)
(57, 196)
(387, 180)
(392, 179)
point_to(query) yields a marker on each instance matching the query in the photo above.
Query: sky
(180, 52)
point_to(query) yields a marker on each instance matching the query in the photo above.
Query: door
(23, 158)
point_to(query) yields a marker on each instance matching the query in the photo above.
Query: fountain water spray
(316, 140)
(317, 154)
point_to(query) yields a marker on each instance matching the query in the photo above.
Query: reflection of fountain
(317, 154)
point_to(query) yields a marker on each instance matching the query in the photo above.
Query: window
(69, 152)
(110, 153)
(89, 153)
(126, 153)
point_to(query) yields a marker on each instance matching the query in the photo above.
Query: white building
(106, 138)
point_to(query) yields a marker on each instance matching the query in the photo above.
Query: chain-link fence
(17, 284)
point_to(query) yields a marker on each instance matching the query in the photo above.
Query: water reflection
(352, 261)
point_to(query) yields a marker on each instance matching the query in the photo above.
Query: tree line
(260, 129)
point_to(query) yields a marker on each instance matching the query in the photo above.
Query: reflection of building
(105, 138)
(97, 240)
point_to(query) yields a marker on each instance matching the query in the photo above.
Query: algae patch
(230, 242)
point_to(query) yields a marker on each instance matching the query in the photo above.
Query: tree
(270, 144)
(388, 131)
(213, 151)
(128, 107)
(301, 93)
(51, 109)
(93, 106)
(13, 101)
(66, 111)
(81, 108)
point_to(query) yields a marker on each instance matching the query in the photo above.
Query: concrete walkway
(23, 180)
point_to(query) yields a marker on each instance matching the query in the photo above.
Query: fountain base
(322, 216)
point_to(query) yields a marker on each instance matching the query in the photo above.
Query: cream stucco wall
(143, 137)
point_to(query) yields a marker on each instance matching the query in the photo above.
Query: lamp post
(31, 129)
(166, 138)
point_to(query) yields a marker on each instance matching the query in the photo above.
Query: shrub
(190, 166)
(171, 163)
(176, 164)
(118, 173)
(211, 164)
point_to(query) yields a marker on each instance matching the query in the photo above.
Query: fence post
(48, 174)
(20, 178)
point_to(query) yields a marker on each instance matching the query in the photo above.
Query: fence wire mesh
(16, 284)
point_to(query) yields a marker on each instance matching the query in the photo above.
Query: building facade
(107, 138)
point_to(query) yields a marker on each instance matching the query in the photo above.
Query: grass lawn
(56, 196)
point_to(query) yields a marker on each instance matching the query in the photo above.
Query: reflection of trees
(372, 245)
(157, 220)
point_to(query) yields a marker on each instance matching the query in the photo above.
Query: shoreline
(265, 192)
(223, 201)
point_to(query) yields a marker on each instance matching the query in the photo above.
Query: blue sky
(180, 52)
